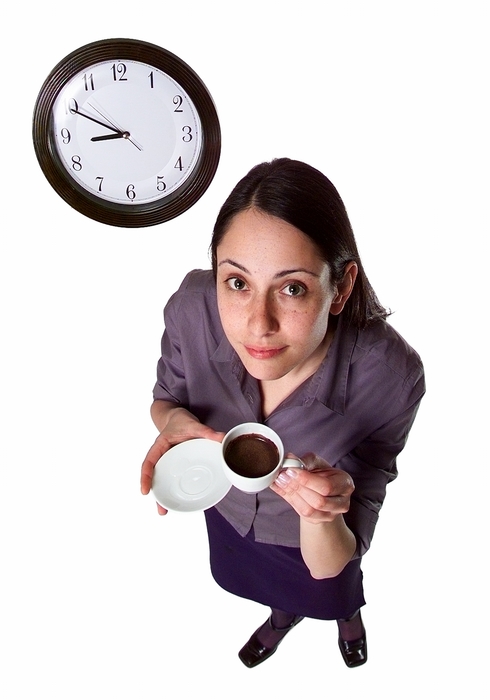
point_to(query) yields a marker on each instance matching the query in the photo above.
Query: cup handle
(291, 462)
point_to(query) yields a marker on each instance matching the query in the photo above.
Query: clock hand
(103, 114)
(107, 126)
(107, 137)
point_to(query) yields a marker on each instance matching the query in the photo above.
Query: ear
(344, 289)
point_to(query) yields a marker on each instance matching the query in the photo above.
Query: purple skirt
(277, 576)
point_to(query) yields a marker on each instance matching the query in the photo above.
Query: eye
(294, 290)
(236, 283)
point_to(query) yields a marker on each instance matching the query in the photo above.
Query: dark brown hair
(305, 198)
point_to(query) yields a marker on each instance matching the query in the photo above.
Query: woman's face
(274, 296)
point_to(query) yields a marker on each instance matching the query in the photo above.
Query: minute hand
(97, 121)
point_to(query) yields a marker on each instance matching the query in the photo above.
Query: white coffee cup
(256, 457)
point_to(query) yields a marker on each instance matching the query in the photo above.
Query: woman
(286, 330)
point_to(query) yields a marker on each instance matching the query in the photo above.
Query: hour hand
(108, 137)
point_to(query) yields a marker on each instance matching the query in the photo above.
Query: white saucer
(190, 476)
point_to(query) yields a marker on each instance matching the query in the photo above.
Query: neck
(275, 391)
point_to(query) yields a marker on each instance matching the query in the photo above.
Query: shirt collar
(333, 374)
(329, 383)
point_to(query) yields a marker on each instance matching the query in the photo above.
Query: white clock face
(126, 132)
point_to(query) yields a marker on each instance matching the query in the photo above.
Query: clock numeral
(151, 79)
(161, 185)
(187, 134)
(71, 106)
(118, 72)
(76, 163)
(178, 102)
(130, 193)
(88, 81)
(178, 165)
(65, 135)
(101, 179)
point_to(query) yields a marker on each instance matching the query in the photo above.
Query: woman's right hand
(180, 426)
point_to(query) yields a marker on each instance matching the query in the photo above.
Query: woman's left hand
(318, 493)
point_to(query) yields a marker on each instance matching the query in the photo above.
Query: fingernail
(283, 479)
(293, 473)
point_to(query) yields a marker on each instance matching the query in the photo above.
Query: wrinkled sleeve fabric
(373, 465)
(171, 384)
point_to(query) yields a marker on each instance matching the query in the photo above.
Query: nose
(262, 316)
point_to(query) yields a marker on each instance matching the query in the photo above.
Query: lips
(263, 353)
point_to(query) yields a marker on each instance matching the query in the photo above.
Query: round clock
(126, 133)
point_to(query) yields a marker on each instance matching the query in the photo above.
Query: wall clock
(126, 133)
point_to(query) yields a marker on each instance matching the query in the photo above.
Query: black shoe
(254, 652)
(354, 652)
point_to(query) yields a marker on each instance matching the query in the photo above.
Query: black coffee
(251, 455)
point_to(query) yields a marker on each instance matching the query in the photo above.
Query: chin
(264, 370)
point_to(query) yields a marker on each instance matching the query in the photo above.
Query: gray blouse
(356, 411)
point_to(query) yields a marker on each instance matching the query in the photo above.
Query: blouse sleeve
(171, 380)
(372, 465)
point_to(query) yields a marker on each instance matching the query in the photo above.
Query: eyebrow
(278, 275)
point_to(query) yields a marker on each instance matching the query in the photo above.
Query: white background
(99, 597)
